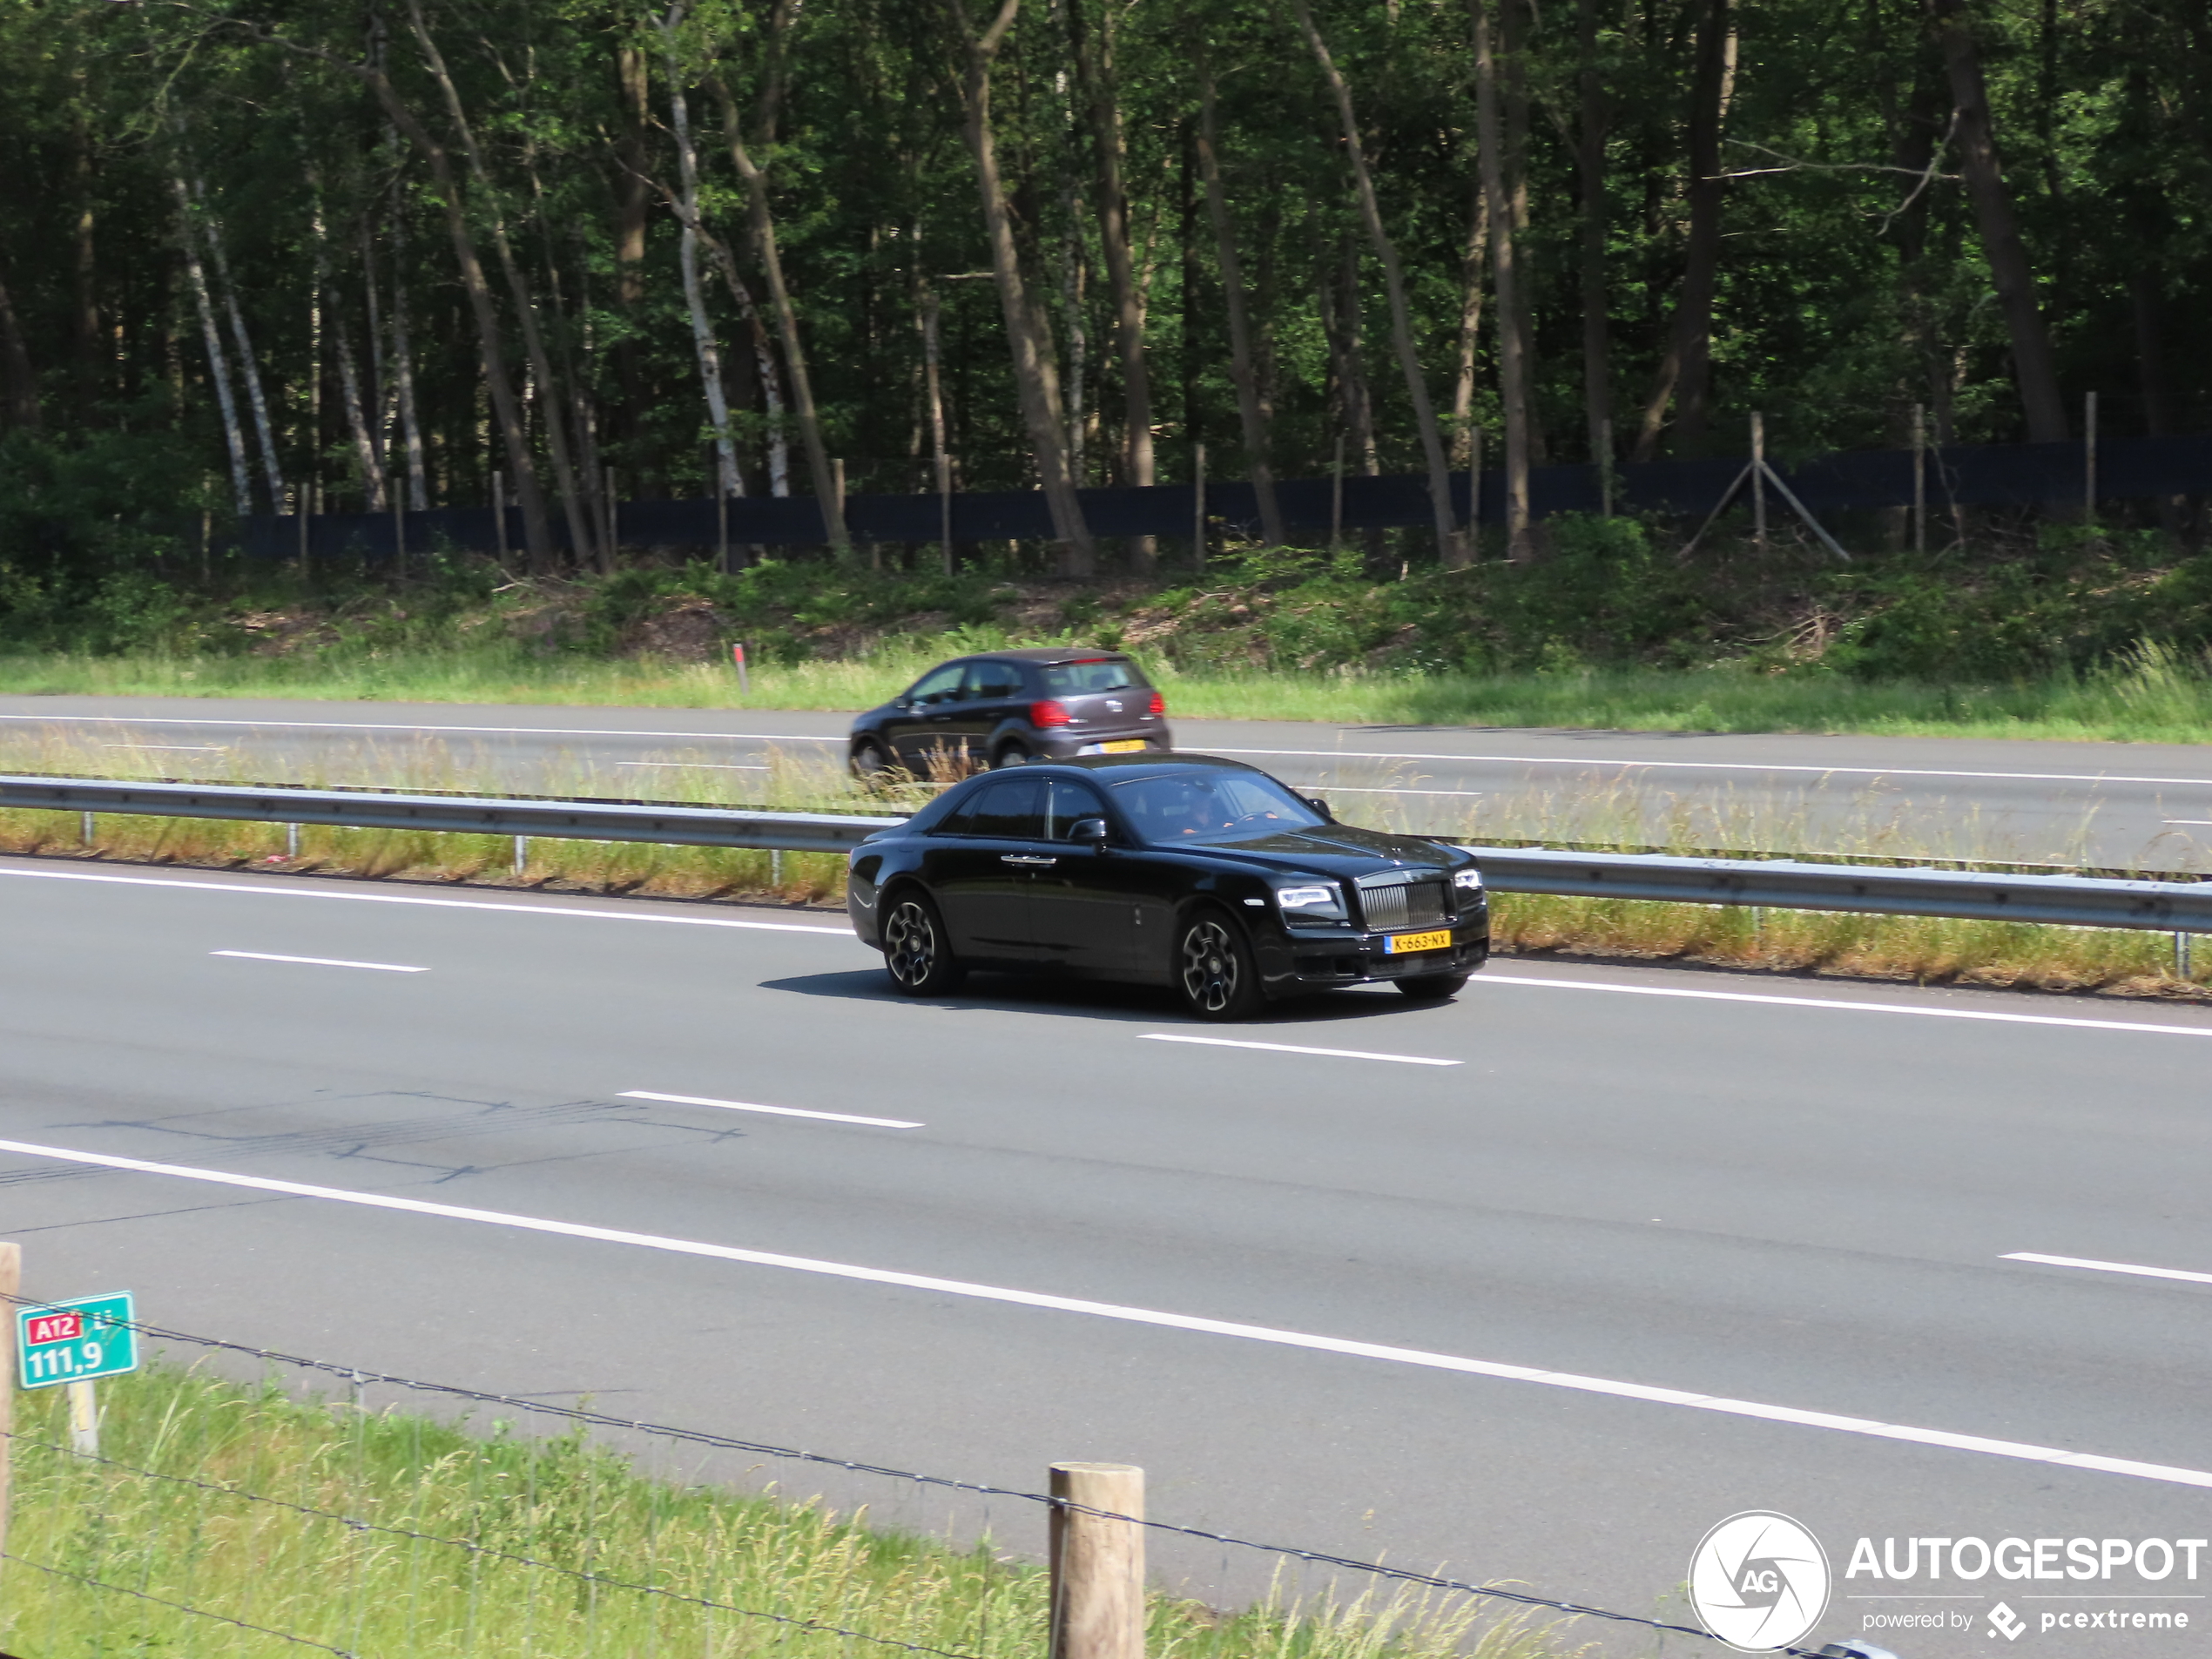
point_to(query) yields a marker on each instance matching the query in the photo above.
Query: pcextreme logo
(1759, 1581)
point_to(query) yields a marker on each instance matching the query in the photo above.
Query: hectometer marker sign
(75, 1341)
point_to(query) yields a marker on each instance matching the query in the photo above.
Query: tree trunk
(1589, 159)
(418, 491)
(1513, 367)
(85, 313)
(763, 223)
(248, 369)
(1035, 377)
(2033, 363)
(633, 201)
(1241, 367)
(218, 371)
(1449, 544)
(366, 459)
(1474, 264)
(704, 344)
(582, 534)
(20, 379)
(1513, 92)
(1685, 370)
(507, 410)
(1094, 55)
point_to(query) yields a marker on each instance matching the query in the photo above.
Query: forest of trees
(417, 249)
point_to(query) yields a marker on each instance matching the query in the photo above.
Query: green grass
(2154, 696)
(368, 1550)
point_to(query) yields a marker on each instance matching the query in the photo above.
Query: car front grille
(1413, 906)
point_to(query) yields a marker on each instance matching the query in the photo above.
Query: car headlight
(1316, 902)
(1468, 881)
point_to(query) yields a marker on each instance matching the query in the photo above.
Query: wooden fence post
(1474, 494)
(10, 1283)
(1336, 496)
(2089, 458)
(1919, 478)
(1605, 467)
(1198, 507)
(1758, 479)
(1097, 1563)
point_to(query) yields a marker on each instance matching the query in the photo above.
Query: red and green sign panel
(75, 1341)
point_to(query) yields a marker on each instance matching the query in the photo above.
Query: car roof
(1047, 654)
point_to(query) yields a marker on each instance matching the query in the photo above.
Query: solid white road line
(415, 899)
(1290, 1048)
(1838, 1003)
(317, 962)
(778, 1111)
(171, 748)
(389, 725)
(1595, 762)
(2109, 1267)
(1868, 1426)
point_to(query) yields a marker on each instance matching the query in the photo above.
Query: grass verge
(2153, 696)
(392, 1534)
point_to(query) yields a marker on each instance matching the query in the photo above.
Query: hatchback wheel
(1214, 970)
(1432, 987)
(871, 764)
(914, 949)
(1010, 754)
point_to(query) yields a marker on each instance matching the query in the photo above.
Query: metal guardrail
(467, 814)
(1781, 884)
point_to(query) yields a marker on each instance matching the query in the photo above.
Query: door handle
(1023, 858)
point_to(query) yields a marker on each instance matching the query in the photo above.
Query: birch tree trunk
(1449, 544)
(1474, 265)
(1513, 365)
(687, 211)
(582, 534)
(1241, 369)
(2009, 270)
(763, 223)
(418, 489)
(367, 463)
(249, 368)
(218, 371)
(1035, 379)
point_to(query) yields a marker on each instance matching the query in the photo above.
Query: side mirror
(1088, 831)
(1321, 806)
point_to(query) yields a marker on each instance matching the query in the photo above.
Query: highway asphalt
(2111, 806)
(1650, 1247)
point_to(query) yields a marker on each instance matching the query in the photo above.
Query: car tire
(871, 762)
(1010, 754)
(1215, 974)
(1432, 987)
(916, 953)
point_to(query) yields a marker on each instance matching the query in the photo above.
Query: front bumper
(1316, 961)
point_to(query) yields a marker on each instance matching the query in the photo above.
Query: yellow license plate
(1399, 944)
(1127, 747)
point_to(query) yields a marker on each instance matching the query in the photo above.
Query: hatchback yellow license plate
(1402, 944)
(1128, 747)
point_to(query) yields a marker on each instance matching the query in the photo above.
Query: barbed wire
(602, 1580)
(179, 1607)
(357, 1377)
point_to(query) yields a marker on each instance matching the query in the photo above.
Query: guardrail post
(2181, 954)
(292, 841)
(87, 828)
(1097, 1561)
(10, 1283)
(522, 853)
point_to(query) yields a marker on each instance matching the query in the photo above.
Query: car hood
(1333, 849)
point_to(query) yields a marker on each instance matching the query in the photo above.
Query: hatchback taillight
(1157, 705)
(1048, 713)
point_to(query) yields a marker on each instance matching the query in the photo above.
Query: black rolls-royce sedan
(1204, 875)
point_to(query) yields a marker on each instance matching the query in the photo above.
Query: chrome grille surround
(1401, 901)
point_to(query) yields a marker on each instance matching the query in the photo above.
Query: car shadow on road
(1123, 1004)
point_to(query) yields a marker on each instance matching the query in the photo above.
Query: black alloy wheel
(1214, 970)
(870, 763)
(1432, 987)
(914, 949)
(1010, 754)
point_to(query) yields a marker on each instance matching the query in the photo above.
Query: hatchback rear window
(1099, 674)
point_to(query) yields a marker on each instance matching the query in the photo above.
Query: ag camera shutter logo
(1759, 1581)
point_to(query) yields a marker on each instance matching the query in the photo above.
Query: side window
(1011, 809)
(1067, 803)
(937, 685)
(992, 681)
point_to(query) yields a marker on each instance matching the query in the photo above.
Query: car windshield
(1096, 674)
(1195, 805)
